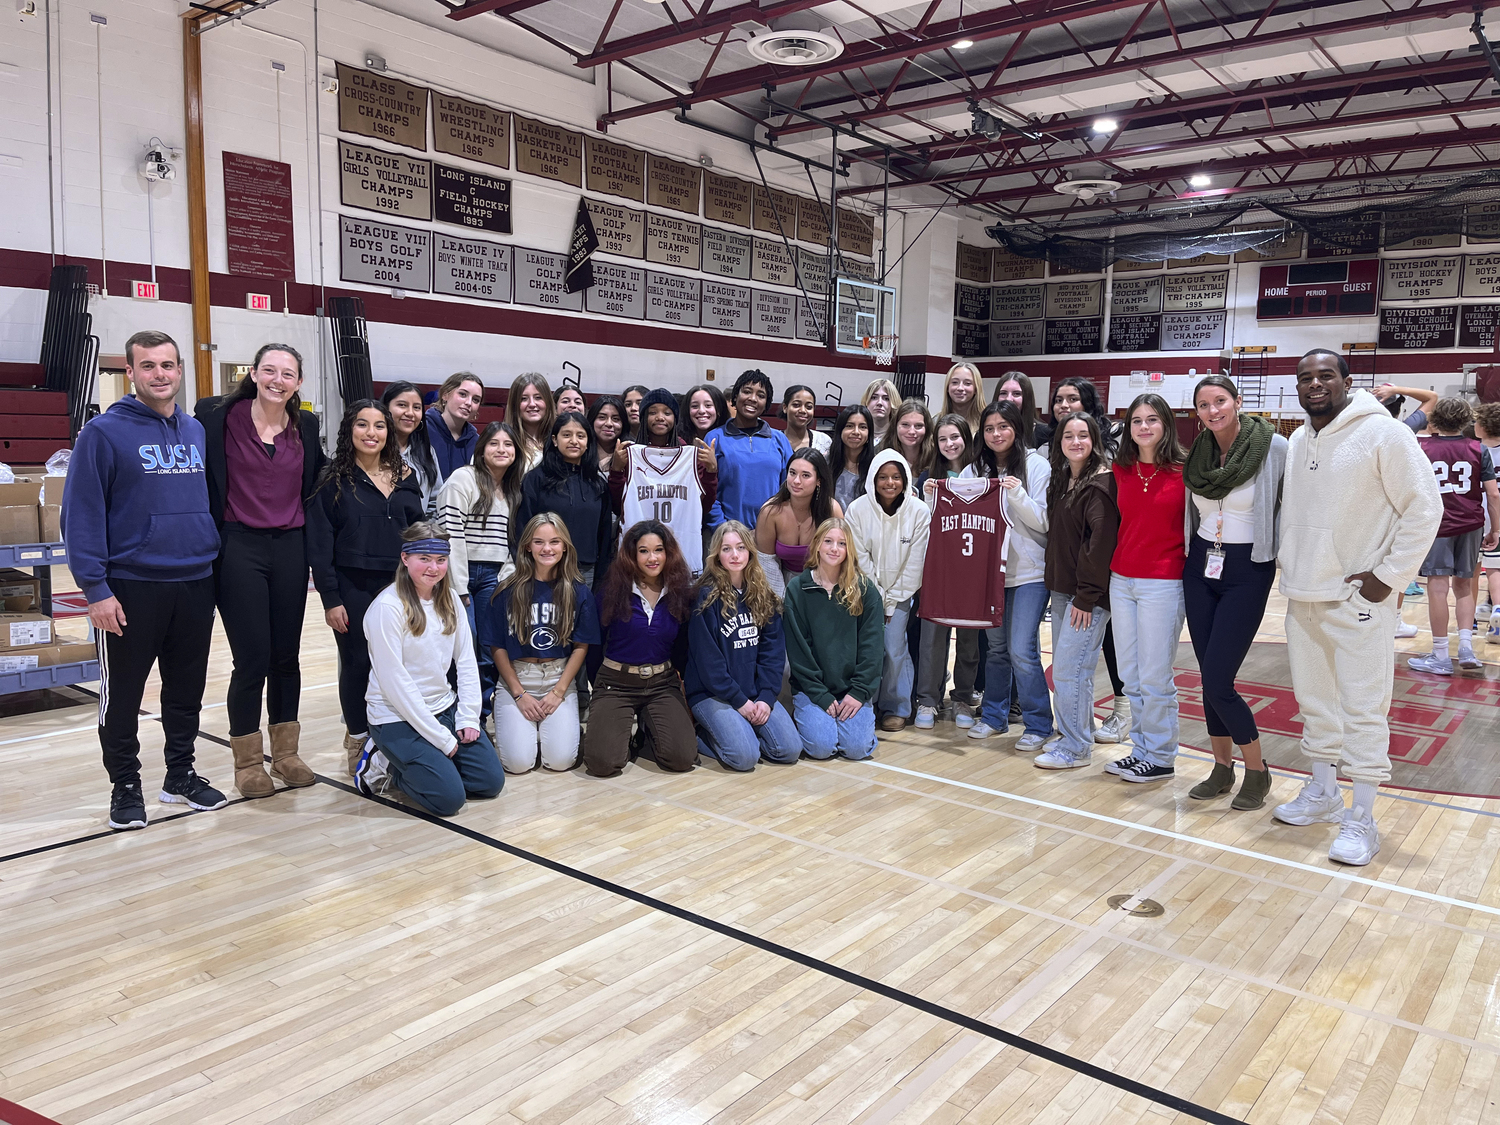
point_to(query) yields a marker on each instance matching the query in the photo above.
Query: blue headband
(426, 547)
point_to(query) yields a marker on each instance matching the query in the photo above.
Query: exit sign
(145, 291)
(1157, 376)
(258, 302)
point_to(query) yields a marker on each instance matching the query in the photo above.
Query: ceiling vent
(796, 40)
(1087, 183)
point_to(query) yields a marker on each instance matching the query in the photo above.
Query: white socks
(1364, 797)
(1326, 774)
(1440, 647)
(1465, 639)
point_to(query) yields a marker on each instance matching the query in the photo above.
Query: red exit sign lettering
(145, 291)
(258, 302)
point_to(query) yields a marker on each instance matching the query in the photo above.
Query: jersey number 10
(661, 511)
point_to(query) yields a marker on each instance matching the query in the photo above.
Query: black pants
(1223, 616)
(169, 624)
(263, 597)
(357, 588)
(1111, 662)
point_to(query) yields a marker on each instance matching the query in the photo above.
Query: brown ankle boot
(354, 746)
(284, 761)
(250, 776)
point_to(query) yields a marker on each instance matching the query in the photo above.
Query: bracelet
(518, 694)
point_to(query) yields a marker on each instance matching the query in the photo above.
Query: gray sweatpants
(932, 667)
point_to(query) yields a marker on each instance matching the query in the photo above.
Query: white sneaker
(981, 730)
(1059, 760)
(1030, 743)
(1432, 664)
(1404, 630)
(963, 716)
(1467, 661)
(1116, 728)
(1120, 765)
(1358, 841)
(926, 716)
(1311, 806)
(1493, 636)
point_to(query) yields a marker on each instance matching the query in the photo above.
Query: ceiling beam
(499, 7)
(684, 31)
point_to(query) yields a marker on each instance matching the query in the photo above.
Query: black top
(360, 530)
(584, 505)
(212, 413)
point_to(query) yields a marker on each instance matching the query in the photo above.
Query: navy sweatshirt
(450, 453)
(136, 503)
(733, 661)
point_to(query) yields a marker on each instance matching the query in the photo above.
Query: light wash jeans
(823, 735)
(1075, 659)
(1147, 617)
(897, 674)
(730, 738)
(1015, 653)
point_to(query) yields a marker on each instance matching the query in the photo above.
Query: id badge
(1213, 563)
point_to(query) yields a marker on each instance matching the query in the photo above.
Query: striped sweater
(475, 538)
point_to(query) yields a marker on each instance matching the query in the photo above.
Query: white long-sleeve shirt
(409, 674)
(473, 538)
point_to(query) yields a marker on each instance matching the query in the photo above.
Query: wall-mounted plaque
(620, 230)
(726, 200)
(1422, 228)
(812, 318)
(1134, 296)
(970, 338)
(726, 254)
(1430, 326)
(853, 267)
(773, 314)
(769, 262)
(673, 299)
(1020, 338)
(471, 199)
(1193, 292)
(971, 302)
(539, 281)
(672, 184)
(258, 217)
(1072, 299)
(377, 253)
(1284, 246)
(376, 105)
(1478, 325)
(1411, 279)
(775, 213)
(617, 291)
(1134, 333)
(468, 129)
(1016, 302)
(615, 169)
(467, 267)
(673, 242)
(547, 151)
(973, 263)
(726, 308)
(388, 182)
(1200, 260)
(1354, 240)
(1005, 266)
(812, 222)
(1482, 275)
(813, 268)
(1483, 222)
(1193, 331)
(1073, 335)
(856, 232)
(1123, 266)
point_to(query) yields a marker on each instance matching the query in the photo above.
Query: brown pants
(663, 710)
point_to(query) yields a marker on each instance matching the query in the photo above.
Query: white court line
(930, 1074)
(1327, 872)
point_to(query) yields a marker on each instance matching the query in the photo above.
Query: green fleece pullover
(833, 654)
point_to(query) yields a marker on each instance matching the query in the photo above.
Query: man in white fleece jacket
(1360, 509)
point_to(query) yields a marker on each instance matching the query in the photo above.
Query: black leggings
(1110, 662)
(1223, 616)
(357, 589)
(262, 598)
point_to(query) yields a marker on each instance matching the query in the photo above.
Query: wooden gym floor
(924, 938)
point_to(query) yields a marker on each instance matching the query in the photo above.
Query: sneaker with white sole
(982, 730)
(1493, 636)
(963, 716)
(926, 716)
(1120, 765)
(1030, 743)
(1146, 771)
(1404, 631)
(1432, 664)
(1116, 728)
(1311, 806)
(193, 791)
(1467, 661)
(127, 808)
(1059, 760)
(1358, 840)
(372, 776)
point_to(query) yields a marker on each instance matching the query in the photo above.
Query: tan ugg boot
(284, 761)
(354, 746)
(250, 776)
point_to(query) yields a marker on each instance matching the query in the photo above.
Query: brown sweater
(1081, 543)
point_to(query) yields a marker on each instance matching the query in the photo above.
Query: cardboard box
(19, 591)
(50, 515)
(31, 657)
(19, 503)
(24, 630)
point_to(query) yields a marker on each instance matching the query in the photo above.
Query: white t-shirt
(1238, 514)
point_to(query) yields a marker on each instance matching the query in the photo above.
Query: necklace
(1145, 480)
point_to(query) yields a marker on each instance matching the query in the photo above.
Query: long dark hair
(555, 469)
(509, 484)
(513, 408)
(598, 408)
(685, 428)
(941, 464)
(1062, 471)
(340, 469)
(1028, 402)
(929, 436)
(622, 576)
(642, 435)
(838, 458)
(248, 390)
(1088, 402)
(822, 497)
(419, 443)
(1169, 451)
(986, 464)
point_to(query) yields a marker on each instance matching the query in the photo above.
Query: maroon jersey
(1457, 464)
(963, 578)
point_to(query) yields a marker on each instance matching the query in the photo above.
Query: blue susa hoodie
(136, 501)
(733, 661)
(450, 453)
(751, 465)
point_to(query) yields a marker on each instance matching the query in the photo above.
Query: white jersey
(663, 485)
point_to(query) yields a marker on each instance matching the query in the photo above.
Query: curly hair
(760, 599)
(622, 576)
(1487, 417)
(1450, 415)
(340, 469)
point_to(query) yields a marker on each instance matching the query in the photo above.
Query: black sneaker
(127, 808)
(1145, 771)
(192, 791)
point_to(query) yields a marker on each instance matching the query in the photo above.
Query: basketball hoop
(883, 348)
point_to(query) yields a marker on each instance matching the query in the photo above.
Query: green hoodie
(831, 653)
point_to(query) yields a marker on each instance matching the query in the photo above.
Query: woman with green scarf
(1233, 478)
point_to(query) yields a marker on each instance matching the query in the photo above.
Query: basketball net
(883, 348)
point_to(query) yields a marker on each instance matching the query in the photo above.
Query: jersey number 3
(968, 544)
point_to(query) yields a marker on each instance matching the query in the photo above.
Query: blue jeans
(897, 675)
(483, 577)
(1015, 654)
(433, 780)
(729, 737)
(1146, 614)
(1075, 659)
(823, 735)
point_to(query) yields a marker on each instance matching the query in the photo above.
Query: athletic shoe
(1311, 806)
(373, 774)
(1414, 590)
(127, 808)
(1030, 743)
(1467, 661)
(1432, 664)
(1405, 631)
(1116, 728)
(1145, 771)
(1494, 634)
(1358, 841)
(963, 716)
(1120, 765)
(192, 791)
(926, 716)
(1059, 760)
(983, 730)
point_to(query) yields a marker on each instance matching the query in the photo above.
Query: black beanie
(660, 396)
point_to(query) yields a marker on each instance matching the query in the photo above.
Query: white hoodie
(890, 548)
(1358, 495)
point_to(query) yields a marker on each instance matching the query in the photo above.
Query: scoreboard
(1321, 288)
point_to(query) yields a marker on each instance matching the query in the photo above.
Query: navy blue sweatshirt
(450, 453)
(136, 504)
(733, 661)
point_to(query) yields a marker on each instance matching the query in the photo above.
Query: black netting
(1352, 223)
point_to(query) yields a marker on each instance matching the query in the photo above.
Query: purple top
(644, 638)
(792, 556)
(262, 489)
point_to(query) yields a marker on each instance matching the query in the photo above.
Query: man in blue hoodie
(752, 454)
(141, 545)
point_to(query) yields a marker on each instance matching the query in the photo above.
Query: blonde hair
(442, 593)
(970, 413)
(892, 392)
(848, 588)
(521, 582)
(760, 599)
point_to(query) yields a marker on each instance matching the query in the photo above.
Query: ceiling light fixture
(963, 44)
(1105, 125)
(1200, 180)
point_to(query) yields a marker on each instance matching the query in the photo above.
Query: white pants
(1343, 663)
(555, 738)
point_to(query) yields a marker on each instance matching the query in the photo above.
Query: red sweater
(1151, 521)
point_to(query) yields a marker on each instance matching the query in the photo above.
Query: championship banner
(580, 273)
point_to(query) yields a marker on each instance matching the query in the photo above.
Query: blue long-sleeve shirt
(450, 452)
(751, 465)
(733, 661)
